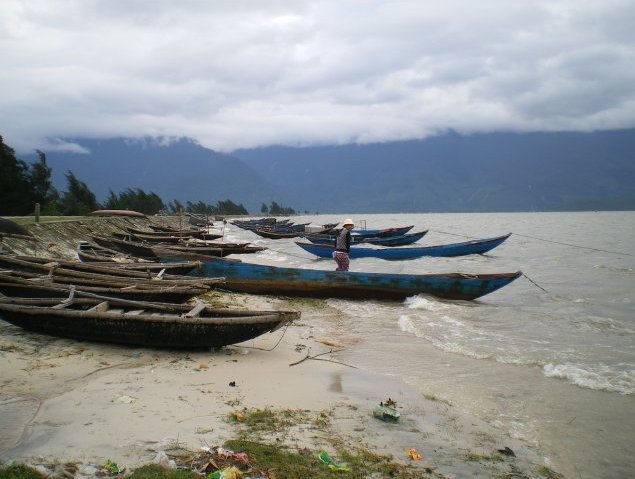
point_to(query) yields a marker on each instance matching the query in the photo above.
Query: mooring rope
(534, 283)
(275, 345)
(574, 245)
(545, 240)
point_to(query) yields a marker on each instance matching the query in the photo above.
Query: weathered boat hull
(56, 290)
(383, 233)
(134, 248)
(140, 324)
(389, 241)
(447, 250)
(261, 279)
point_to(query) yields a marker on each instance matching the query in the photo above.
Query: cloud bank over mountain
(296, 72)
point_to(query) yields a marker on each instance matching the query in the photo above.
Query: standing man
(343, 245)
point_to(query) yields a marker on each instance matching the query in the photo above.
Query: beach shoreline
(77, 401)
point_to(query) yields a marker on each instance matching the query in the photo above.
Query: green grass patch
(153, 471)
(473, 457)
(19, 472)
(283, 463)
(27, 220)
(544, 471)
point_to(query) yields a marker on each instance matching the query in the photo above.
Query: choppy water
(556, 368)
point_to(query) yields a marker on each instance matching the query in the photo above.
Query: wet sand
(64, 400)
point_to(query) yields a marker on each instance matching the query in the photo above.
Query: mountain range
(447, 173)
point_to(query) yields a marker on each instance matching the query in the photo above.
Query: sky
(241, 74)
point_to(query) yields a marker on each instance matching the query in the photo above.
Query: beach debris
(326, 459)
(387, 411)
(164, 461)
(232, 384)
(239, 416)
(229, 454)
(329, 343)
(125, 399)
(506, 451)
(414, 455)
(230, 472)
(110, 467)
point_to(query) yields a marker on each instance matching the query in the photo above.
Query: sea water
(549, 358)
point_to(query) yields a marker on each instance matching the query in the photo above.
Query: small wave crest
(601, 377)
(425, 304)
(453, 342)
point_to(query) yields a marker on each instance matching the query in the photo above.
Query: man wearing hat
(343, 245)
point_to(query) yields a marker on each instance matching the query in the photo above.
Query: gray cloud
(237, 74)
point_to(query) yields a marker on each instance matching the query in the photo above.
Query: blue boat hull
(383, 233)
(402, 240)
(260, 279)
(455, 249)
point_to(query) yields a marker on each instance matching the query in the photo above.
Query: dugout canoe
(134, 248)
(455, 249)
(219, 250)
(389, 241)
(152, 271)
(262, 279)
(136, 323)
(168, 294)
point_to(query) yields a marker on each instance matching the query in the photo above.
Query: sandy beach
(64, 400)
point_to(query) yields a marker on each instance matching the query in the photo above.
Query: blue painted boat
(455, 249)
(261, 279)
(390, 241)
(383, 233)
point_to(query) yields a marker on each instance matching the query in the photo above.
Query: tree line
(22, 186)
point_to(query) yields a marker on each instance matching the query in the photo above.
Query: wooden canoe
(130, 247)
(135, 323)
(141, 269)
(219, 250)
(261, 279)
(390, 241)
(455, 249)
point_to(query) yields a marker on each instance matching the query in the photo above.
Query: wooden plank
(195, 311)
(100, 308)
(63, 304)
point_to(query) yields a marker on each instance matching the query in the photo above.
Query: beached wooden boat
(69, 276)
(261, 279)
(169, 232)
(128, 213)
(135, 323)
(91, 253)
(136, 248)
(389, 241)
(165, 237)
(50, 289)
(282, 233)
(219, 250)
(455, 249)
(382, 233)
(272, 234)
(141, 269)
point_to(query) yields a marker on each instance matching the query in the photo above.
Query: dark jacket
(343, 241)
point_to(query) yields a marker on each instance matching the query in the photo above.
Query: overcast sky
(238, 74)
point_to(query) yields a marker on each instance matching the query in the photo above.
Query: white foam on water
(600, 377)
(447, 339)
(272, 256)
(419, 302)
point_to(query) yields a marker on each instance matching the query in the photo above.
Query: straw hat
(348, 221)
